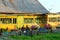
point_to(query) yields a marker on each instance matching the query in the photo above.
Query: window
(41, 20)
(58, 19)
(38, 20)
(14, 20)
(1, 20)
(6, 20)
(25, 20)
(53, 19)
(44, 20)
(28, 20)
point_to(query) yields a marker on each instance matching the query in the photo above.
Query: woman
(48, 27)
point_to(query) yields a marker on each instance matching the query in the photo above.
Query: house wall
(6, 21)
(53, 20)
(5, 24)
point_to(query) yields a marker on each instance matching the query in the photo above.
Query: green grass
(42, 36)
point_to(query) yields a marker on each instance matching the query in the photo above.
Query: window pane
(58, 19)
(25, 20)
(14, 20)
(0, 20)
(44, 20)
(38, 20)
(30, 20)
(52, 19)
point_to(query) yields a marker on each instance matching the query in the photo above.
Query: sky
(51, 5)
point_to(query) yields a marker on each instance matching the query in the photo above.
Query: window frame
(54, 19)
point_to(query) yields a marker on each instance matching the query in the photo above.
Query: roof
(4, 8)
(22, 6)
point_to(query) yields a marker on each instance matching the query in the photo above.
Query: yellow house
(53, 19)
(16, 13)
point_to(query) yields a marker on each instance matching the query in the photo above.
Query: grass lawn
(42, 36)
